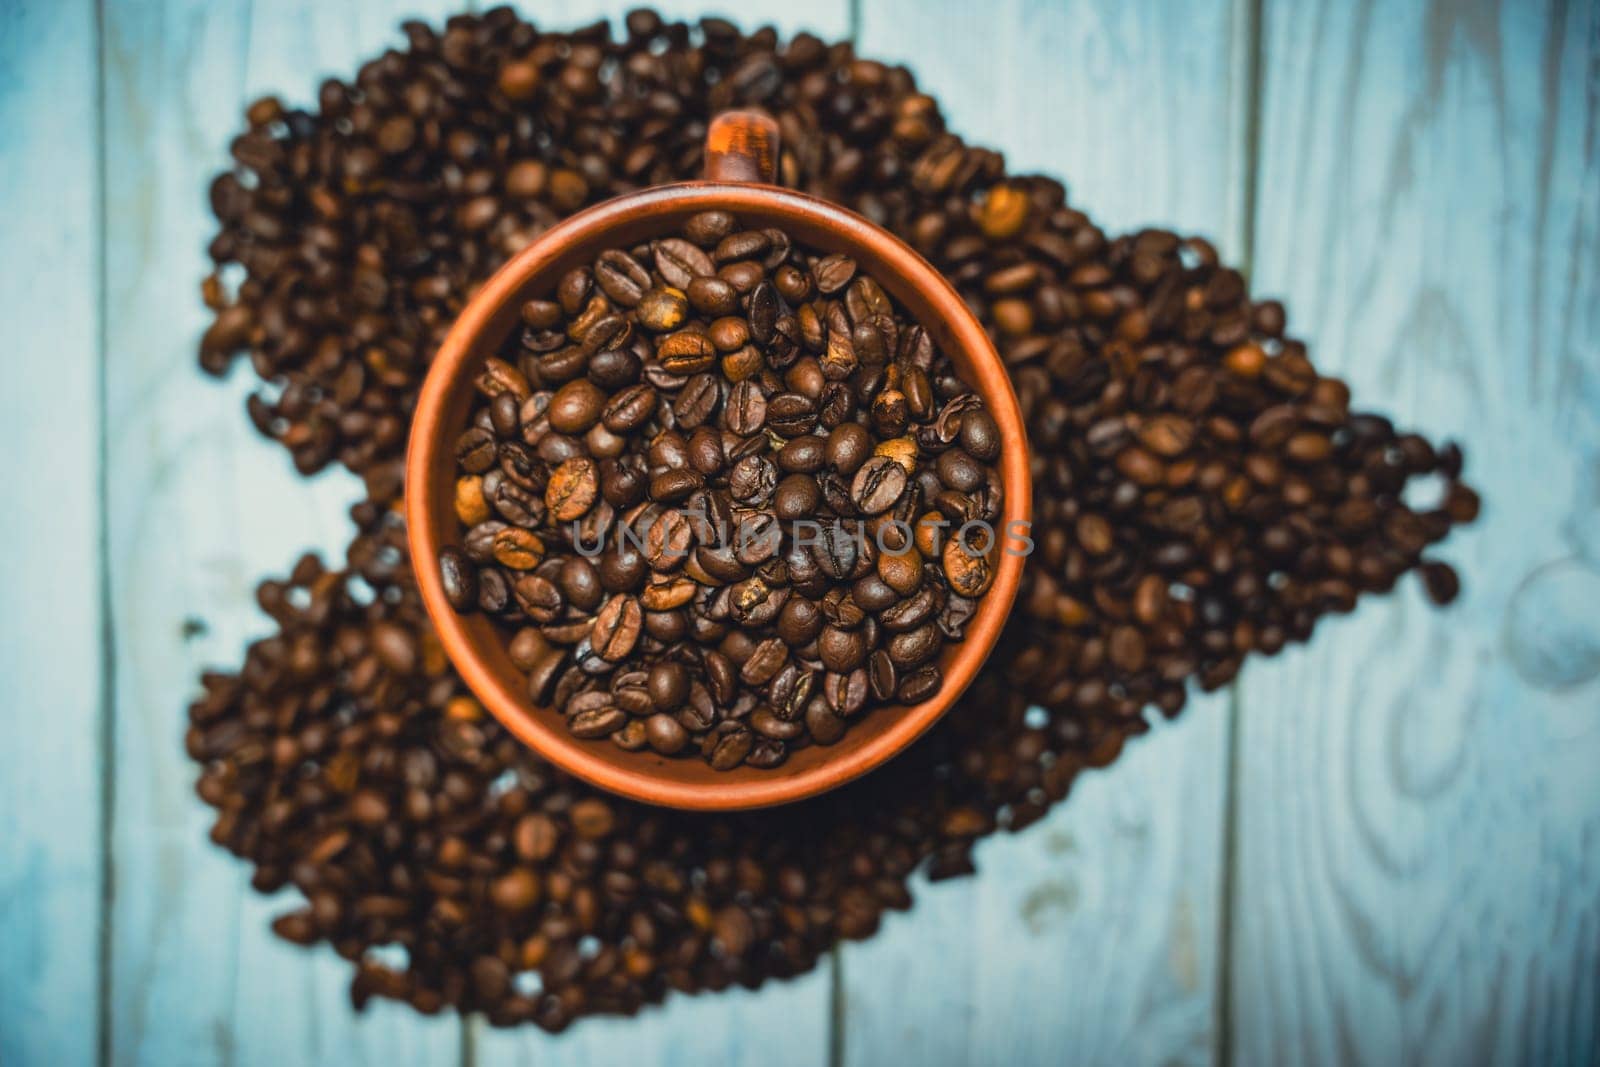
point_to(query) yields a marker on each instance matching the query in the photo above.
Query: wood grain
(1419, 834)
(1092, 937)
(785, 1023)
(50, 658)
(200, 508)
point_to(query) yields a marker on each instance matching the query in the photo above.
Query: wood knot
(1552, 629)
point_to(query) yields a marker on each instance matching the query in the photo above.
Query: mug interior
(475, 644)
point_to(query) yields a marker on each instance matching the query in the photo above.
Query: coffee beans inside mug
(679, 469)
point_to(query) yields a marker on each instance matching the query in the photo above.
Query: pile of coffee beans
(1200, 493)
(707, 490)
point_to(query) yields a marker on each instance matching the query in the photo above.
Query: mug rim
(465, 342)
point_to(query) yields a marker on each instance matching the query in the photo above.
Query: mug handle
(742, 146)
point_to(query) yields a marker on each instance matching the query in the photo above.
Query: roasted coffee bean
(882, 676)
(920, 686)
(459, 578)
(746, 409)
(791, 414)
(840, 649)
(877, 485)
(630, 409)
(797, 497)
(665, 734)
(668, 685)
(572, 489)
(576, 406)
(616, 628)
(726, 751)
(680, 262)
(475, 450)
(753, 480)
(686, 352)
(849, 446)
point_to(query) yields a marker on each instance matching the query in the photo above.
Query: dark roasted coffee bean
(576, 406)
(665, 734)
(753, 480)
(841, 650)
(729, 749)
(881, 676)
(835, 551)
(823, 726)
(914, 646)
(791, 414)
(616, 628)
(920, 686)
(459, 578)
(877, 485)
(764, 663)
(846, 693)
(680, 262)
(623, 278)
(746, 410)
(668, 685)
(630, 409)
(713, 296)
(475, 450)
(796, 497)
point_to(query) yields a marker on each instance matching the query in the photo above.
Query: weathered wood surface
(199, 508)
(1414, 813)
(50, 528)
(1419, 832)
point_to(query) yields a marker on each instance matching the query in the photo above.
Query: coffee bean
(572, 489)
(834, 272)
(680, 262)
(839, 649)
(686, 352)
(597, 722)
(746, 409)
(848, 447)
(576, 406)
(668, 685)
(753, 480)
(623, 278)
(459, 578)
(730, 749)
(881, 675)
(796, 497)
(616, 628)
(665, 734)
(630, 409)
(712, 296)
(920, 686)
(791, 414)
(968, 571)
(877, 485)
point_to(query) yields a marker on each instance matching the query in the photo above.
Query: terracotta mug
(741, 157)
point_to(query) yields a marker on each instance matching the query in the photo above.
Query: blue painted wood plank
(1093, 936)
(1419, 836)
(51, 646)
(200, 508)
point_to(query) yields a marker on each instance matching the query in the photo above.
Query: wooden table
(1384, 847)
